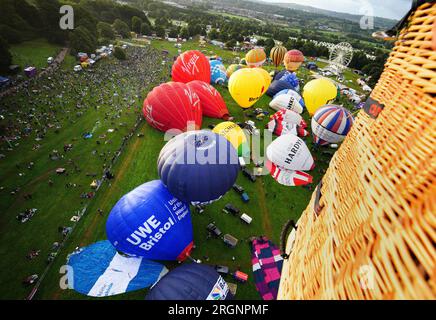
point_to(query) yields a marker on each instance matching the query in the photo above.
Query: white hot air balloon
(290, 152)
(290, 101)
(280, 127)
(289, 116)
(289, 178)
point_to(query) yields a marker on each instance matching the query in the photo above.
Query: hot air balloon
(290, 101)
(280, 127)
(212, 103)
(277, 55)
(248, 85)
(317, 93)
(290, 117)
(293, 60)
(289, 178)
(191, 65)
(171, 106)
(217, 72)
(290, 152)
(191, 282)
(233, 133)
(278, 86)
(233, 68)
(288, 91)
(99, 270)
(255, 57)
(331, 124)
(198, 166)
(150, 222)
(289, 77)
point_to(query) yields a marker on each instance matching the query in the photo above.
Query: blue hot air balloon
(218, 72)
(99, 270)
(150, 222)
(198, 166)
(191, 282)
(277, 86)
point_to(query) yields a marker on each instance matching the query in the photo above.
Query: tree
(122, 28)
(136, 24)
(5, 55)
(213, 34)
(231, 43)
(120, 54)
(160, 32)
(145, 29)
(184, 33)
(81, 40)
(105, 31)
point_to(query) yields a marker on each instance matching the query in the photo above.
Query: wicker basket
(373, 233)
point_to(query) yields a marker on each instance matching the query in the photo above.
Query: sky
(393, 9)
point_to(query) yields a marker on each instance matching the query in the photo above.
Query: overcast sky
(393, 9)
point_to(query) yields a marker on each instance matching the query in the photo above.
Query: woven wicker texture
(374, 236)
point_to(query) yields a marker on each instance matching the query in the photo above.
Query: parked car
(246, 172)
(238, 188)
(213, 229)
(231, 209)
(222, 269)
(246, 218)
(245, 197)
(230, 240)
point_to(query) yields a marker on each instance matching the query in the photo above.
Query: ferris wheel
(341, 55)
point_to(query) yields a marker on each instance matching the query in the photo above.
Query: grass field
(271, 204)
(33, 53)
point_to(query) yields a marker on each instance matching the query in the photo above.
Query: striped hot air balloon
(289, 178)
(277, 55)
(293, 60)
(255, 57)
(331, 124)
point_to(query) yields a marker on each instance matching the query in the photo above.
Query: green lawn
(33, 53)
(271, 204)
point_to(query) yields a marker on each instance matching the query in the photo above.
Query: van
(246, 218)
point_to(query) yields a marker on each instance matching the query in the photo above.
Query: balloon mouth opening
(227, 117)
(186, 252)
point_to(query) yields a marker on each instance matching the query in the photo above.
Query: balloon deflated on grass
(150, 222)
(198, 166)
(172, 105)
(191, 282)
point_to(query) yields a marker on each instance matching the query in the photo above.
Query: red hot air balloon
(171, 106)
(212, 103)
(191, 65)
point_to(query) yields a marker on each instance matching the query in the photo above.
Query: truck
(213, 229)
(230, 240)
(246, 218)
(229, 208)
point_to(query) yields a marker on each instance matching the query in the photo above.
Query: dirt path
(266, 223)
(50, 69)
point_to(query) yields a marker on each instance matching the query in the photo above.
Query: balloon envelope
(233, 68)
(317, 93)
(171, 106)
(290, 152)
(191, 65)
(248, 85)
(218, 72)
(233, 133)
(289, 178)
(290, 101)
(289, 77)
(293, 60)
(150, 222)
(99, 271)
(278, 86)
(212, 103)
(331, 124)
(191, 282)
(255, 57)
(277, 55)
(198, 166)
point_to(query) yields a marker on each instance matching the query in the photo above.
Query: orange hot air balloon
(255, 57)
(293, 60)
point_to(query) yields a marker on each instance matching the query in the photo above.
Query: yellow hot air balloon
(248, 85)
(255, 57)
(317, 93)
(277, 55)
(233, 68)
(235, 135)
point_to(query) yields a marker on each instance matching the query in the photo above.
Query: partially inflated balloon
(212, 103)
(191, 65)
(191, 282)
(277, 55)
(218, 72)
(289, 178)
(233, 133)
(171, 106)
(278, 86)
(317, 93)
(255, 57)
(290, 101)
(233, 68)
(290, 117)
(290, 152)
(293, 60)
(150, 222)
(248, 85)
(331, 124)
(198, 166)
